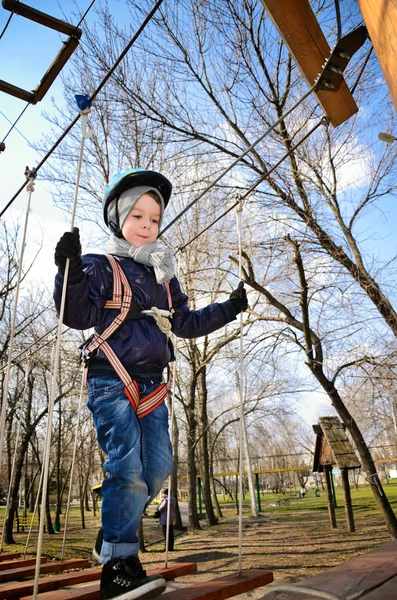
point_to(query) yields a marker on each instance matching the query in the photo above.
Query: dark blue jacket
(139, 343)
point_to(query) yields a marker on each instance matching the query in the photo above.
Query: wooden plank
(91, 592)
(388, 591)
(19, 564)
(304, 38)
(86, 592)
(223, 587)
(53, 567)
(173, 571)
(17, 589)
(381, 21)
(13, 556)
(356, 576)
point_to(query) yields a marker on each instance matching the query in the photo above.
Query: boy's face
(142, 224)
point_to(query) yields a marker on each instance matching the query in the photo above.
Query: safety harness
(122, 299)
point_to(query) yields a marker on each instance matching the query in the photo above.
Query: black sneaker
(96, 552)
(124, 579)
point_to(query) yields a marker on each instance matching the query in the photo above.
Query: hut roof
(332, 445)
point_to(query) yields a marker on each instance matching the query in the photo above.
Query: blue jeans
(139, 459)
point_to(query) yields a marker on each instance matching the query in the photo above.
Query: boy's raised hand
(238, 298)
(68, 247)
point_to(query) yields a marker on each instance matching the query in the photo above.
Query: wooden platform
(372, 575)
(84, 583)
(57, 587)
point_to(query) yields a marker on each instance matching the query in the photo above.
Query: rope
(91, 99)
(73, 462)
(240, 400)
(21, 356)
(322, 121)
(162, 322)
(8, 505)
(170, 490)
(46, 460)
(29, 185)
(238, 159)
(6, 25)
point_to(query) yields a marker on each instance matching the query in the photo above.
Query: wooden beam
(381, 21)
(223, 587)
(348, 500)
(372, 576)
(328, 485)
(18, 564)
(39, 17)
(85, 592)
(305, 40)
(12, 556)
(52, 567)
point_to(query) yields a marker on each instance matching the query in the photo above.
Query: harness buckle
(84, 355)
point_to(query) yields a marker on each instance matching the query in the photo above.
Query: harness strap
(122, 297)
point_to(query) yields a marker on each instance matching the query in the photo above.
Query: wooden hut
(333, 448)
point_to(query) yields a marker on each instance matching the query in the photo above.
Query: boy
(126, 396)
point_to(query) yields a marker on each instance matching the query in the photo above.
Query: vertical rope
(14, 460)
(46, 459)
(73, 463)
(170, 490)
(240, 388)
(36, 505)
(30, 189)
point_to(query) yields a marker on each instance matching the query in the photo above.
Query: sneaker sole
(149, 590)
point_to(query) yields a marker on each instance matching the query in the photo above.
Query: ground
(293, 541)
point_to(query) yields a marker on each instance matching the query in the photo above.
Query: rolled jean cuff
(111, 551)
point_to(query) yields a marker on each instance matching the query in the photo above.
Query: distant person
(163, 509)
(303, 491)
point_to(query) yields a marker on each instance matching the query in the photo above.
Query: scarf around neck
(162, 261)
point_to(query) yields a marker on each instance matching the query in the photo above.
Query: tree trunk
(205, 462)
(50, 528)
(174, 476)
(81, 494)
(191, 460)
(214, 494)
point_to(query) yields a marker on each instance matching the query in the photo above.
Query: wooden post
(331, 508)
(380, 18)
(304, 38)
(348, 500)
